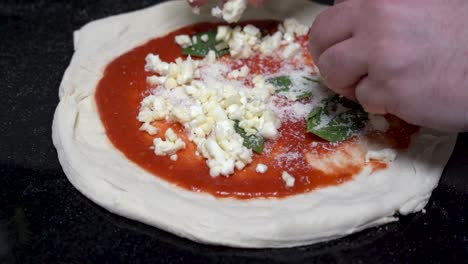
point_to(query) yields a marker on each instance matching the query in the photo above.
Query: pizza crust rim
(104, 175)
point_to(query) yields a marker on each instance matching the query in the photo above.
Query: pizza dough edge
(105, 176)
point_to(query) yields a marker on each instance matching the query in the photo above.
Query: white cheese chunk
(292, 26)
(153, 108)
(233, 10)
(204, 38)
(288, 37)
(170, 83)
(224, 150)
(221, 46)
(378, 122)
(155, 80)
(186, 71)
(174, 157)
(291, 29)
(262, 90)
(154, 64)
(150, 129)
(170, 146)
(218, 160)
(223, 33)
(252, 31)
(242, 72)
(211, 56)
(172, 74)
(271, 43)
(261, 168)
(291, 50)
(183, 40)
(288, 179)
(217, 12)
(244, 41)
(270, 126)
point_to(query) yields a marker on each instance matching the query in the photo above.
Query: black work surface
(43, 219)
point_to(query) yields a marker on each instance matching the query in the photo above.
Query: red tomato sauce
(118, 98)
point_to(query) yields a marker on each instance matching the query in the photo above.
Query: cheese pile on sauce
(210, 97)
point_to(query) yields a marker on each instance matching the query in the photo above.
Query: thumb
(371, 98)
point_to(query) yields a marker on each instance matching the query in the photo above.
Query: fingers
(332, 26)
(372, 98)
(343, 65)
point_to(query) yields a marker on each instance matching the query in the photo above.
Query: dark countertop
(43, 219)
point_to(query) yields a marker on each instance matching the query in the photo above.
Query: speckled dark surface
(43, 219)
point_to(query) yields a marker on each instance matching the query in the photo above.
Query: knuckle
(385, 60)
(379, 15)
(317, 28)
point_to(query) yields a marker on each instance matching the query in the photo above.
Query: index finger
(332, 26)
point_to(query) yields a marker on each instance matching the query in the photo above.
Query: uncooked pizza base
(104, 175)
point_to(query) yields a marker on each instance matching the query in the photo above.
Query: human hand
(195, 3)
(404, 57)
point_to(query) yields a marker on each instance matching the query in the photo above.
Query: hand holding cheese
(407, 58)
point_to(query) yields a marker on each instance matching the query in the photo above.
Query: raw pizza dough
(104, 175)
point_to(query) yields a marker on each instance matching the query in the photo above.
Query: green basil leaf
(281, 83)
(201, 48)
(337, 119)
(253, 142)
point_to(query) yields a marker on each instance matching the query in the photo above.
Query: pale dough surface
(103, 174)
